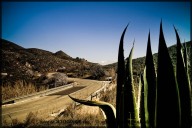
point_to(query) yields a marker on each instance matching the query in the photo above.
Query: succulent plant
(165, 96)
(183, 84)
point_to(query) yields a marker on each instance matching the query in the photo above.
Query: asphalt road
(46, 106)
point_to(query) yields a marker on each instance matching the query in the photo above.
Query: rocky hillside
(62, 55)
(19, 63)
(138, 64)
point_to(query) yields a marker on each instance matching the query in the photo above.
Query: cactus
(165, 99)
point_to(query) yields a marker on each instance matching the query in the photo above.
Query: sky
(92, 30)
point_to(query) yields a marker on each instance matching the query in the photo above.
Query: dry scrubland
(20, 88)
(81, 116)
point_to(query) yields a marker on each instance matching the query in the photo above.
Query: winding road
(46, 106)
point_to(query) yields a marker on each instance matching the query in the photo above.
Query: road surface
(53, 103)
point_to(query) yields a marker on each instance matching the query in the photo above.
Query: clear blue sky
(92, 30)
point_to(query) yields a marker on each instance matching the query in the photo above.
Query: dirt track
(53, 103)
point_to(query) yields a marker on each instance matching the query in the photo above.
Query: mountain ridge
(62, 55)
(26, 63)
(22, 62)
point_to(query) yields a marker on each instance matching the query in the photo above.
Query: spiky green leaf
(120, 78)
(185, 57)
(109, 110)
(130, 108)
(150, 84)
(184, 87)
(168, 102)
(146, 113)
(186, 61)
(142, 101)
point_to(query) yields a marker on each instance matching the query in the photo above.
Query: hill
(138, 63)
(27, 64)
(62, 55)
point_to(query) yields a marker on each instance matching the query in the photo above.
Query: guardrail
(95, 94)
(38, 94)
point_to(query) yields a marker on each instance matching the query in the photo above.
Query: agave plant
(165, 97)
(149, 87)
(183, 84)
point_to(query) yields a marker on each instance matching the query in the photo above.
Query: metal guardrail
(90, 97)
(95, 94)
(38, 94)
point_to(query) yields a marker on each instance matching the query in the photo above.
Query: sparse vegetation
(78, 117)
(28, 64)
(31, 120)
(22, 88)
(19, 88)
(81, 116)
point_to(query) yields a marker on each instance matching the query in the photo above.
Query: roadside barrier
(38, 94)
(96, 94)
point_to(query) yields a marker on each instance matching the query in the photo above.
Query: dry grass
(86, 116)
(31, 121)
(109, 96)
(81, 116)
(71, 117)
(19, 88)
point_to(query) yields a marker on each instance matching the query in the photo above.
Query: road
(53, 103)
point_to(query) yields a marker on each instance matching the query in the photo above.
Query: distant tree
(97, 72)
(77, 59)
(60, 78)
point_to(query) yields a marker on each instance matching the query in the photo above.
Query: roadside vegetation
(19, 88)
(22, 87)
(81, 116)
